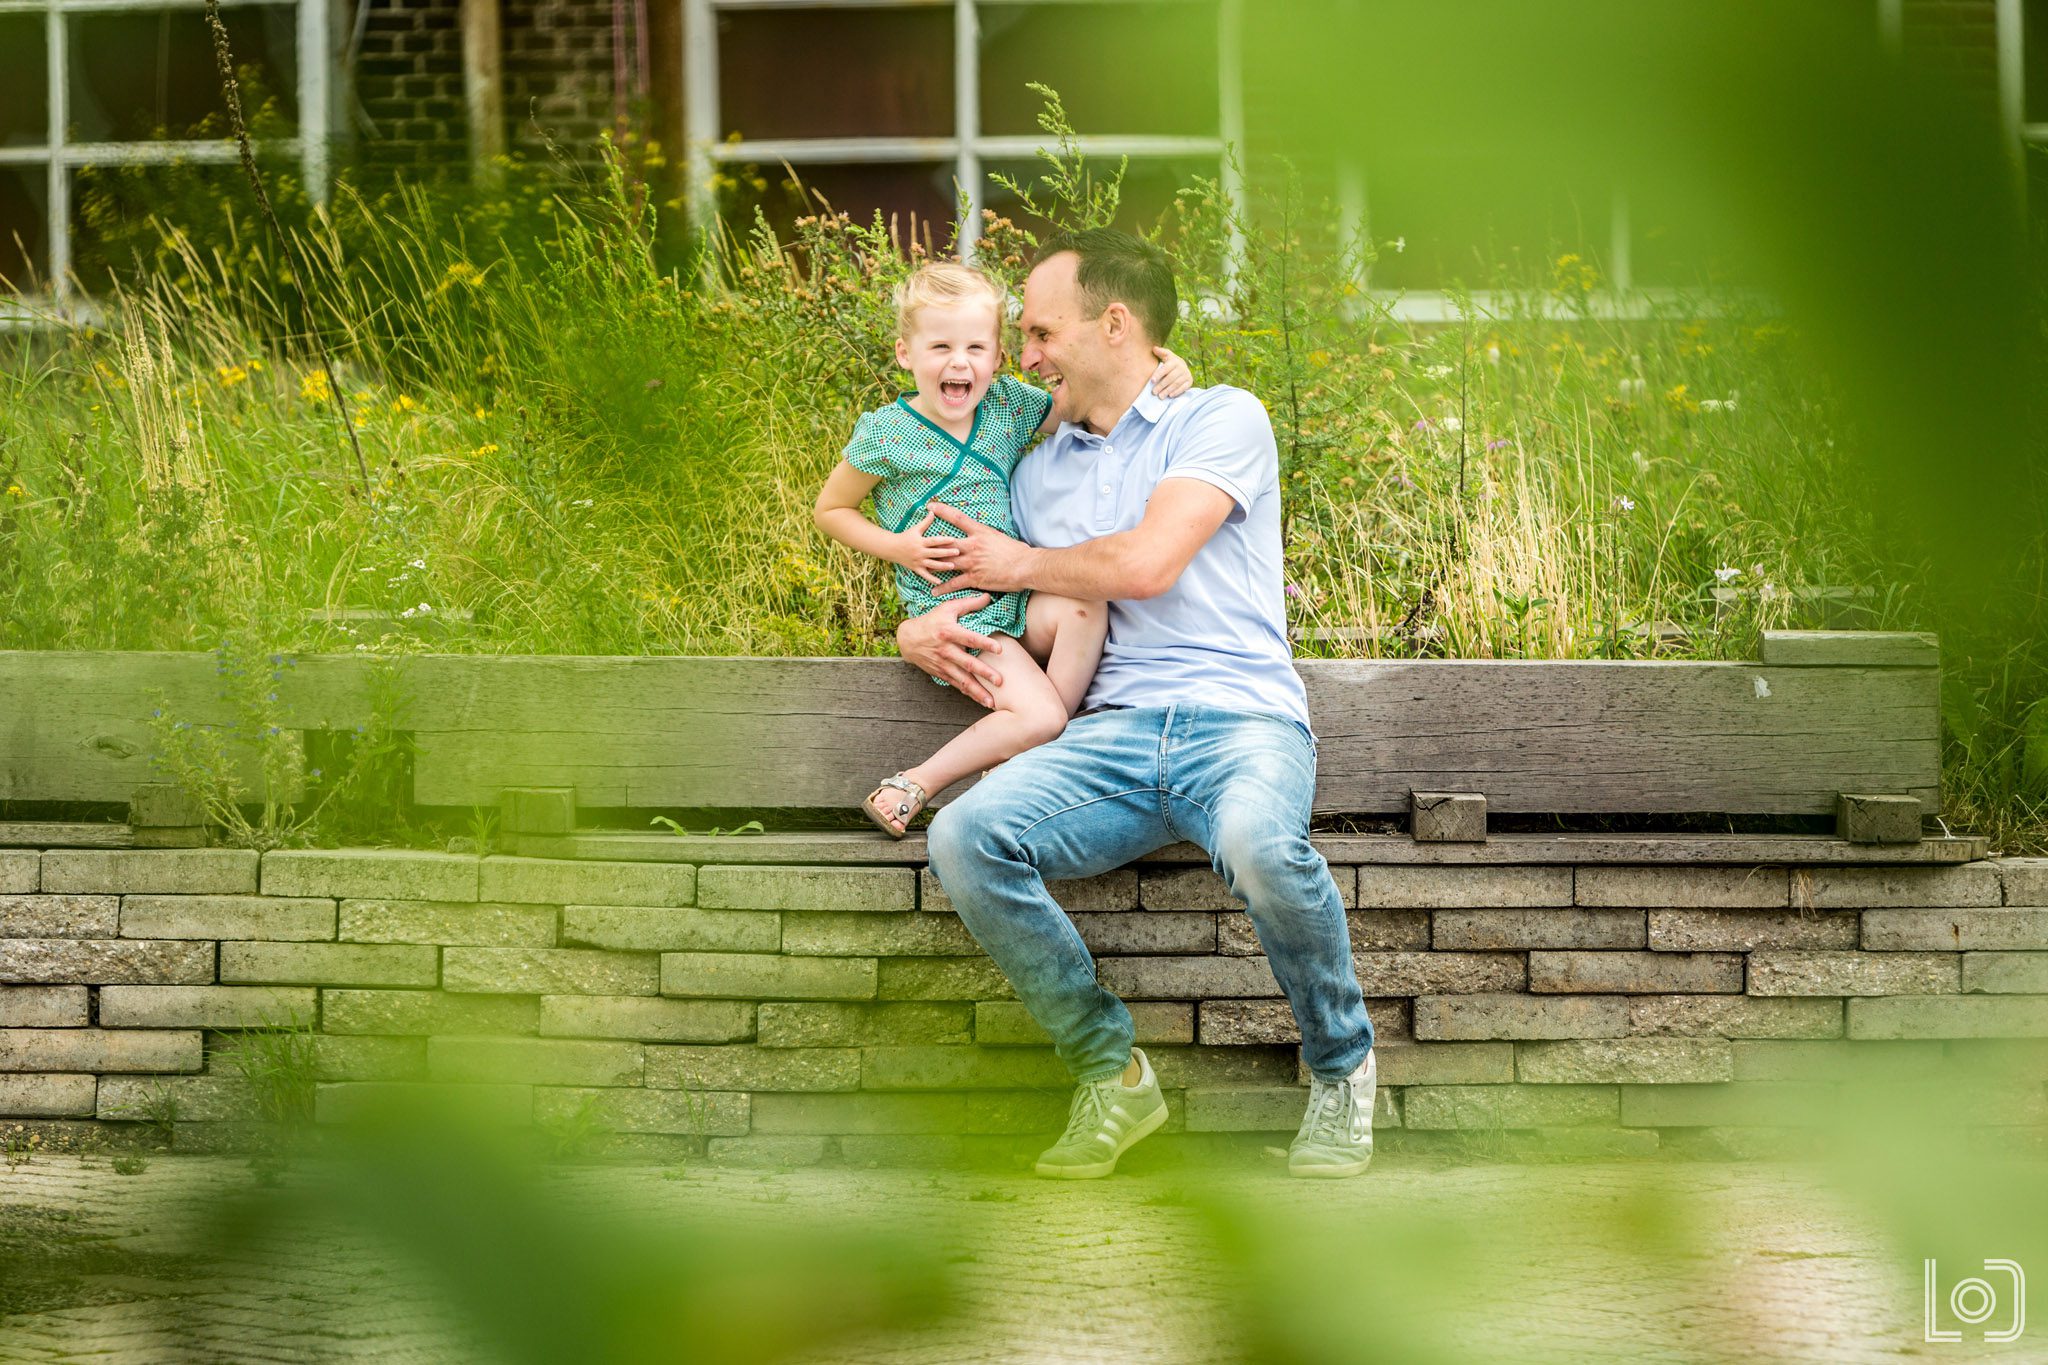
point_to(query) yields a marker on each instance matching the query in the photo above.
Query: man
(1195, 727)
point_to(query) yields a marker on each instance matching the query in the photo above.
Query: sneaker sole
(1145, 1127)
(1349, 1168)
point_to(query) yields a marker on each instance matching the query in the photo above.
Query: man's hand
(937, 643)
(923, 554)
(985, 557)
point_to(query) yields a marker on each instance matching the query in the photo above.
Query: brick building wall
(408, 82)
(558, 77)
(559, 73)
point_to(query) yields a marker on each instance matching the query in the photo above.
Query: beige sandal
(906, 811)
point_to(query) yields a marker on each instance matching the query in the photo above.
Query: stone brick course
(1953, 930)
(799, 1012)
(45, 1006)
(350, 873)
(52, 916)
(227, 917)
(447, 923)
(1776, 972)
(157, 871)
(21, 872)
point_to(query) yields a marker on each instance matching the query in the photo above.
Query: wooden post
(537, 810)
(483, 89)
(165, 815)
(1447, 817)
(1877, 819)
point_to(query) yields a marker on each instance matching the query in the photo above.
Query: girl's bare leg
(1028, 711)
(1066, 636)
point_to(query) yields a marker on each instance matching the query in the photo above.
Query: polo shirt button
(1105, 488)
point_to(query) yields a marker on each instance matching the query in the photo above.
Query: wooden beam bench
(1818, 716)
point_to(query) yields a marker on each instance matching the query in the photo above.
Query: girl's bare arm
(837, 514)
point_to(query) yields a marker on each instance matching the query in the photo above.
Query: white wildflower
(1493, 352)
(1400, 244)
(416, 564)
(1726, 574)
(1453, 423)
(1437, 371)
(1625, 503)
(1631, 388)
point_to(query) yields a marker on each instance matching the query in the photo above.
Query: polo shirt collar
(1148, 405)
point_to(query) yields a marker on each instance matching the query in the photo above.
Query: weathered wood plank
(75, 726)
(1545, 737)
(1849, 648)
(1571, 737)
(64, 834)
(864, 847)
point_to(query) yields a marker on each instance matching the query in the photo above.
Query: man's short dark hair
(1116, 267)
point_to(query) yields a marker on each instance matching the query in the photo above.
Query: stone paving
(1424, 1258)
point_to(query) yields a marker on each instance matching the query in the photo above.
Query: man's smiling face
(1060, 346)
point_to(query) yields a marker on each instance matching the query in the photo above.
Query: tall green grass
(578, 444)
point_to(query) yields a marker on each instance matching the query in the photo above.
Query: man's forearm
(1107, 569)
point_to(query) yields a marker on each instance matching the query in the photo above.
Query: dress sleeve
(1027, 404)
(1228, 444)
(868, 449)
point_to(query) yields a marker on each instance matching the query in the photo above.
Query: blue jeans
(1116, 786)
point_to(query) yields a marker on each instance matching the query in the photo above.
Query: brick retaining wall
(794, 1014)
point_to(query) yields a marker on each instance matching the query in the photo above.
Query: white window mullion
(1230, 126)
(1620, 264)
(315, 110)
(2012, 88)
(967, 122)
(55, 54)
(1891, 25)
(700, 116)
(1354, 222)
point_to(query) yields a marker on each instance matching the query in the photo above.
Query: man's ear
(1118, 326)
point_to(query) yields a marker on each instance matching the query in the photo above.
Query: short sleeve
(1228, 444)
(1026, 404)
(867, 450)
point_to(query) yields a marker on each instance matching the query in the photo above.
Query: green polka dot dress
(919, 461)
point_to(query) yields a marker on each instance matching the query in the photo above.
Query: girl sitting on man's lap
(959, 436)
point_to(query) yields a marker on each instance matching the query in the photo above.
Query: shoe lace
(1090, 1104)
(1329, 1112)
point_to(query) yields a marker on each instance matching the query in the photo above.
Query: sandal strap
(903, 784)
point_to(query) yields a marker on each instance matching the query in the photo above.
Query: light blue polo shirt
(1218, 636)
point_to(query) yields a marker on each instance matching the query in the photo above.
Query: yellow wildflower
(15, 490)
(231, 375)
(313, 386)
(488, 448)
(404, 403)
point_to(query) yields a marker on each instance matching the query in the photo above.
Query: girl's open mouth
(955, 390)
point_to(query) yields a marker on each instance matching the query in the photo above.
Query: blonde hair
(943, 282)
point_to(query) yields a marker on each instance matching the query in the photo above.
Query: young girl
(955, 441)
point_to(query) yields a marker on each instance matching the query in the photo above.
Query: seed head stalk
(231, 91)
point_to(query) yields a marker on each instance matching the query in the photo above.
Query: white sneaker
(1106, 1118)
(1336, 1133)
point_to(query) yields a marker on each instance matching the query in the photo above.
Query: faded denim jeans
(1116, 786)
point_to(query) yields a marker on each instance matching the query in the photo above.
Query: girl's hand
(927, 558)
(1172, 378)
